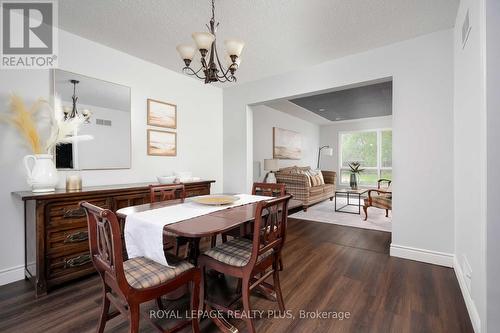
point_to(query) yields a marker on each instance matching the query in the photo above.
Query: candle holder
(74, 182)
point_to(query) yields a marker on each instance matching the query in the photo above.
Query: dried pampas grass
(23, 119)
(62, 131)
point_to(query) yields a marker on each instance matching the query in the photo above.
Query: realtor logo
(29, 34)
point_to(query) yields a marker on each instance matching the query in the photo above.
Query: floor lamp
(326, 151)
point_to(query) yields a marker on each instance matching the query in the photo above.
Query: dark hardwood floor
(327, 268)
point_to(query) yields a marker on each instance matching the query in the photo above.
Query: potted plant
(355, 171)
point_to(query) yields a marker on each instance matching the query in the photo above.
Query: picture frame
(287, 145)
(161, 143)
(161, 114)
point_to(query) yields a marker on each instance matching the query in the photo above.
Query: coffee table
(347, 193)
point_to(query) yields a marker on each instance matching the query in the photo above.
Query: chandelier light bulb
(186, 51)
(203, 40)
(234, 46)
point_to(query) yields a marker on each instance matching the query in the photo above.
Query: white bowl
(183, 174)
(166, 179)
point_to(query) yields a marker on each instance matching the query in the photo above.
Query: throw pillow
(308, 176)
(321, 179)
(316, 177)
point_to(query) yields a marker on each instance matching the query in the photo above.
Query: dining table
(209, 225)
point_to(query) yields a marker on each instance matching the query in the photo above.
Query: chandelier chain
(213, 10)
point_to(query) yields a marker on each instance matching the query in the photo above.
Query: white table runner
(144, 230)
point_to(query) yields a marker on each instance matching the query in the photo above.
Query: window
(372, 148)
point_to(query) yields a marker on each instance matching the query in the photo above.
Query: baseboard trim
(11, 274)
(427, 256)
(469, 303)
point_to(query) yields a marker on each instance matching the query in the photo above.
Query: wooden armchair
(379, 198)
(253, 261)
(137, 280)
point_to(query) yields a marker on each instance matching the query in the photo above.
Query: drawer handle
(76, 237)
(71, 213)
(77, 261)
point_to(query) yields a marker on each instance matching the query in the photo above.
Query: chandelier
(70, 114)
(212, 68)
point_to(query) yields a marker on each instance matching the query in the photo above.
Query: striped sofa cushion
(316, 177)
(142, 272)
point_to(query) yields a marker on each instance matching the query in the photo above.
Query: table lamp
(270, 165)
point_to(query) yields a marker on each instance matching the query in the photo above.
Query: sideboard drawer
(128, 200)
(67, 241)
(196, 191)
(61, 214)
(70, 264)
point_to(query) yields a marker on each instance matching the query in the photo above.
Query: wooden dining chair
(128, 284)
(169, 192)
(253, 261)
(269, 189)
(264, 189)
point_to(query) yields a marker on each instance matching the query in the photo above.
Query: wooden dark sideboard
(56, 237)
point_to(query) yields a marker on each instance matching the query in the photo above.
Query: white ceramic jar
(42, 175)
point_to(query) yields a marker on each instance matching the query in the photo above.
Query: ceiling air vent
(465, 29)
(103, 122)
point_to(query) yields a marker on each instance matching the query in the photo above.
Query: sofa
(305, 187)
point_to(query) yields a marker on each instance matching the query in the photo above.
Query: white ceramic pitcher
(42, 176)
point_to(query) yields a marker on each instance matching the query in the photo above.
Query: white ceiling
(280, 35)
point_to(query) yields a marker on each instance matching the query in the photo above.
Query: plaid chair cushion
(380, 201)
(235, 252)
(142, 272)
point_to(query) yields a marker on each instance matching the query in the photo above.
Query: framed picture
(287, 145)
(162, 143)
(162, 114)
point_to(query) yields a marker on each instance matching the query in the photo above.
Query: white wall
(469, 161)
(113, 138)
(264, 119)
(329, 135)
(422, 73)
(199, 130)
(493, 164)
